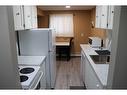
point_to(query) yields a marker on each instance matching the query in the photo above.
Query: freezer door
(33, 42)
(53, 68)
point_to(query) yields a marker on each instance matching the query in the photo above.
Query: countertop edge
(91, 51)
(23, 60)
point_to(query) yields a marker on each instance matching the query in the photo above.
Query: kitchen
(25, 27)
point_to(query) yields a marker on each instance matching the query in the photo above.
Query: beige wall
(42, 19)
(82, 26)
(43, 22)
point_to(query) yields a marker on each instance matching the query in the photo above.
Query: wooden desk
(63, 48)
(62, 43)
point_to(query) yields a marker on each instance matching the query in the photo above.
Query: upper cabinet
(34, 17)
(110, 17)
(98, 23)
(25, 17)
(104, 17)
(18, 17)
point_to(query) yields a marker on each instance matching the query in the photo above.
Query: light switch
(82, 34)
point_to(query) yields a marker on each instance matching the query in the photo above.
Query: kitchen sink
(103, 52)
(100, 59)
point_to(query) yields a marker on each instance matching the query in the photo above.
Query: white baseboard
(78, 55)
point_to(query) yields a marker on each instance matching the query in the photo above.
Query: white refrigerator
(40, 42)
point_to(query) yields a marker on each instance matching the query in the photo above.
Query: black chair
(69, 50)
(65, 50)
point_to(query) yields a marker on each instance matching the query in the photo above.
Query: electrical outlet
(82, 34)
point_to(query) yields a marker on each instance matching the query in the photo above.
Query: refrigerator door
(52, 52)
(53, 68)
(52, 40)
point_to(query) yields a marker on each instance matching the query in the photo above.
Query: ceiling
(64, 8)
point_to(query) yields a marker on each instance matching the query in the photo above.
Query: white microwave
(95, 42)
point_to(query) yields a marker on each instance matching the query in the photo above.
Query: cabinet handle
(28, 16)
(107, 24)
(97, 85)
(17, 13)
(102, 14)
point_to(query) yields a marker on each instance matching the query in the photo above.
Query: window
(63, 24)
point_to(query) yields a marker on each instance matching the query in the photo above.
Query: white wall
(9, 77)
(117, 78)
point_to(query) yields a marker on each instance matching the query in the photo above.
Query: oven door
(36, 82)
(38, 86)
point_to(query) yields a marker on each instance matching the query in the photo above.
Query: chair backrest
(71, 42)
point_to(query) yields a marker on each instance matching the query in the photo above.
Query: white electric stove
(30, 76)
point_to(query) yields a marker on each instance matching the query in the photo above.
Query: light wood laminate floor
(68, 73)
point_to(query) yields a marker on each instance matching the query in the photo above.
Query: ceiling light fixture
(68, 6)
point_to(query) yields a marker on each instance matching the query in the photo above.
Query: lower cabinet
(91, 79)
(82, 67)
(88, 74)
(43, 79)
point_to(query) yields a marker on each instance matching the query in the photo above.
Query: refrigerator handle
(50, 51)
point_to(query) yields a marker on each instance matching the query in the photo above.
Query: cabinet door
(81, 66)
(43, 79)
(91, 80)
(110, 16)
(18, 17)
(104, 16)
(34, 16)
(98, 17)
(27, 17)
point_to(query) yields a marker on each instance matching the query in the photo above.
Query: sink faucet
(101, 47)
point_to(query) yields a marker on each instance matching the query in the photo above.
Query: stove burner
(23, 78)
(26, 70)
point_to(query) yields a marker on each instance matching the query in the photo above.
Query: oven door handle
(40, 74)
